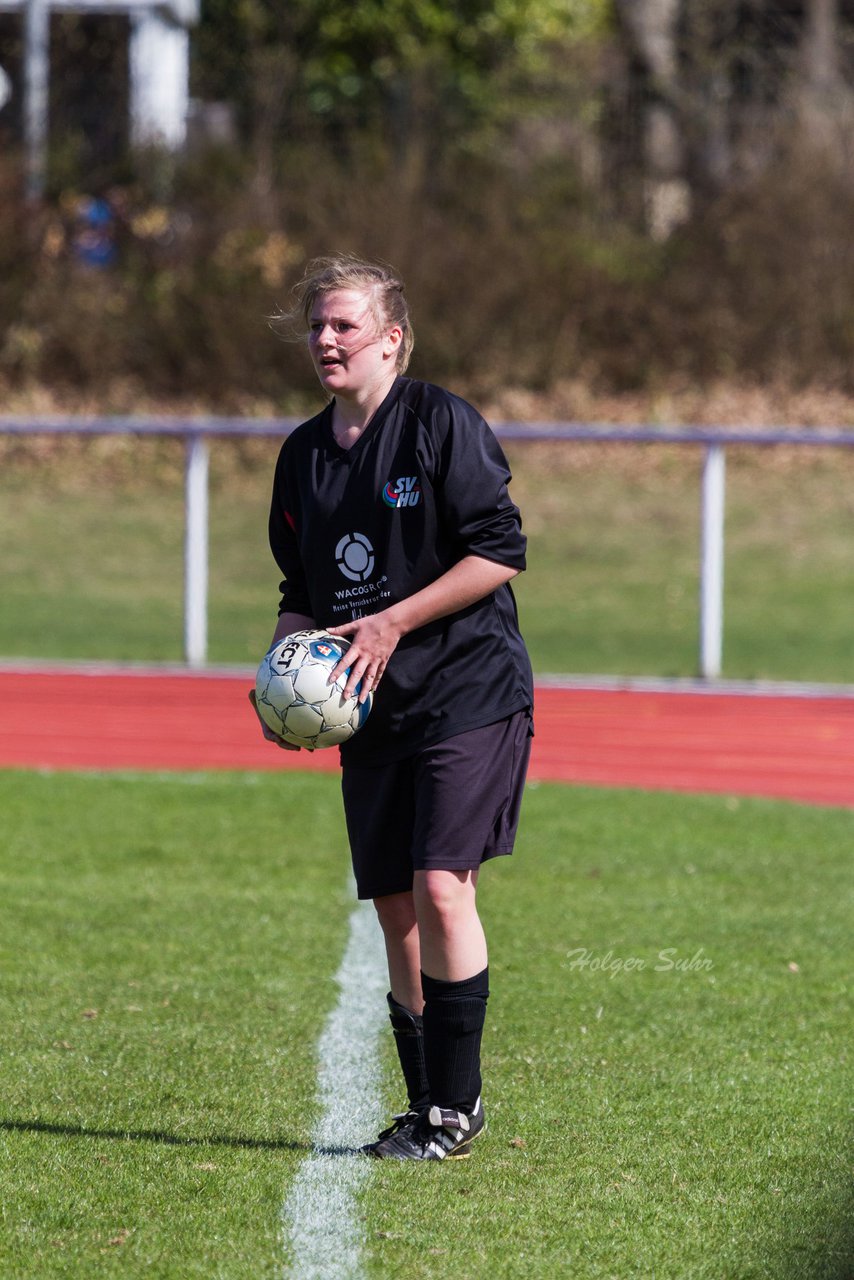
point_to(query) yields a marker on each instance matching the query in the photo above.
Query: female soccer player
(392, 524)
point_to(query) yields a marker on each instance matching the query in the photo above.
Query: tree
(382, 63)
(724, 85)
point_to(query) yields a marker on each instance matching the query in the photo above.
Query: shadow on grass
(172, 1139)
(825, 1254)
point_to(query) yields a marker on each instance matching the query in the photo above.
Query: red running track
(799, 748)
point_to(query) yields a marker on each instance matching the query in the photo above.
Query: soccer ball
(294, 699)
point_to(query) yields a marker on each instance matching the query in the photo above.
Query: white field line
(320, 1216)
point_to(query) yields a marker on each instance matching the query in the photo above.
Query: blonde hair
(380, 282)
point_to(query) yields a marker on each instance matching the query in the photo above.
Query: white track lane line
(322, 1230)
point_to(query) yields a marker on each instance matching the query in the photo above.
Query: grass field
(667, 1052)
(92, 540)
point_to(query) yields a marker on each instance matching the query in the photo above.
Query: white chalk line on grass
(320, 1216)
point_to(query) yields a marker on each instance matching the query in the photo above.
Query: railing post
(712, 562)
(196, 552)
(36, 78)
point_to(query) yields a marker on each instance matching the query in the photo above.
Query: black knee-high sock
(454, 1014)
(409, 1041)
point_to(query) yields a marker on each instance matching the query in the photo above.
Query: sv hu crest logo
(403, 492)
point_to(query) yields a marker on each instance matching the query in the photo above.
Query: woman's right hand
(267, 731)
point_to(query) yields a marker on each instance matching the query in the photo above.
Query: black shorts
(449, 807)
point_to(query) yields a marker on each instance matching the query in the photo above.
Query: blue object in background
(94, 234)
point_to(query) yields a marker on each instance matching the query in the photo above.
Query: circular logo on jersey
(354, 556)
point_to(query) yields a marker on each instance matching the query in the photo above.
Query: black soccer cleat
(405, 1120)
(438, 1134)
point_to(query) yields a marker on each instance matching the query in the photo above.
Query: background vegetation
(628, 193)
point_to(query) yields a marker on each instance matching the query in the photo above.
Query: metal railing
(198, 432)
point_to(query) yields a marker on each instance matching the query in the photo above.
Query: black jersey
(356, 530)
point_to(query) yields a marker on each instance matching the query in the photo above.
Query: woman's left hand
(372, 642)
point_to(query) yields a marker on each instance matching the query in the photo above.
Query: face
(351, 353)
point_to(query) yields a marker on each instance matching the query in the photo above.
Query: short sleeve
(478, 513)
